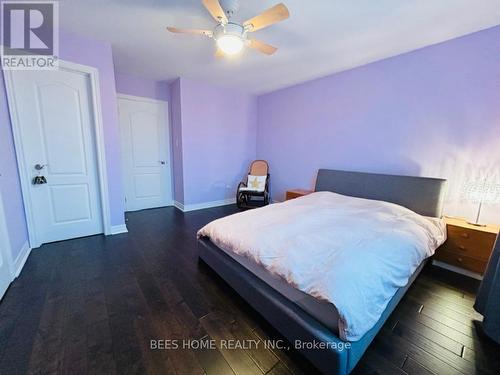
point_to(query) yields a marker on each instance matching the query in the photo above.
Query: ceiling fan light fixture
(230, 38)
(230, 44)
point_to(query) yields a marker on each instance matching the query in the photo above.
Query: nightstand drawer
(471, 243)
(462, 261)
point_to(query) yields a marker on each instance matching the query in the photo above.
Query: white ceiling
(320, 37)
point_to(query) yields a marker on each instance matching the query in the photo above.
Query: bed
(297, 315)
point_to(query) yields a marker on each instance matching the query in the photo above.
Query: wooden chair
(250, 198)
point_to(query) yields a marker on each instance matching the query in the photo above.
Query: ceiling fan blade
(273, 15)
(213, 6)
(189, 31)
(262, 47)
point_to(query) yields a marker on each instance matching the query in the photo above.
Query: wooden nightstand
(295, 193)
(468, 246)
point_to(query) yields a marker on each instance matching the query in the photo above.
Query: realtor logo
(29, 35)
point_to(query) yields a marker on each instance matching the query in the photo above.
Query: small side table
(295, 193)
(468, 246)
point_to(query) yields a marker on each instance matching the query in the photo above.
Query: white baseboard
(21, 259)
(459, 270)
(201, 206)
(118, 229)
(179, 205)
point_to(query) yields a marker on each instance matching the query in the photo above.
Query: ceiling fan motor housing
(229, 29)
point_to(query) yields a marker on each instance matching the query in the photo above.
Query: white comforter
(352, 252)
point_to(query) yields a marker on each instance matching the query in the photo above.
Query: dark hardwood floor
(93, 305)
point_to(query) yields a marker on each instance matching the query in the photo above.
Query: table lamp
(481, 192)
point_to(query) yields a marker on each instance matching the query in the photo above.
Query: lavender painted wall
(431, 112)
(10, 187)
(132, 85)
(218, 140)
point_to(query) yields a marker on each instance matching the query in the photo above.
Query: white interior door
(5, 272)
(56, 127)
(145, 152)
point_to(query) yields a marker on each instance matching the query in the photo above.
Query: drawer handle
(464, 235)
(459, 260)
(462, 247)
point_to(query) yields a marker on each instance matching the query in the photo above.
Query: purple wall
(431, 112)
(218, 139)
(10, 186)
(132, 85)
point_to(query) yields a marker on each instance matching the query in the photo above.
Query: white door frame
(93, 74)
(5, 241)
(141, 99)
(169, 140)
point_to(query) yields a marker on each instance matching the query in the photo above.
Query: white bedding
(352, 252)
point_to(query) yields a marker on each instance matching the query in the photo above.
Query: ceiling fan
(232, 37)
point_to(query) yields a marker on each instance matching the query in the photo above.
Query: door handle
(39, 180)
(162, 162)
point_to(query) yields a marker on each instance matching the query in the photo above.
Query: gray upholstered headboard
(420, 194)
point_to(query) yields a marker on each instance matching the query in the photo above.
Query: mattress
(323, 311)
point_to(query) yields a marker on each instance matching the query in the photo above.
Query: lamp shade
(486, 192)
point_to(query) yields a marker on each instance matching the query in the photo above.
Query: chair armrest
(241, 184)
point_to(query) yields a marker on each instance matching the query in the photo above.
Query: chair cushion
(255, 183)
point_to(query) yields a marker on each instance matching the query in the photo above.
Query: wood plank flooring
(93, 305)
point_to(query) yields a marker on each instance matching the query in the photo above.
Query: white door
(5, 274)
(54, 113)
(145, 153)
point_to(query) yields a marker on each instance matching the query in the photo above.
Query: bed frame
(422, 195)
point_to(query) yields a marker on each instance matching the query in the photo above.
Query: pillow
(256, 183)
